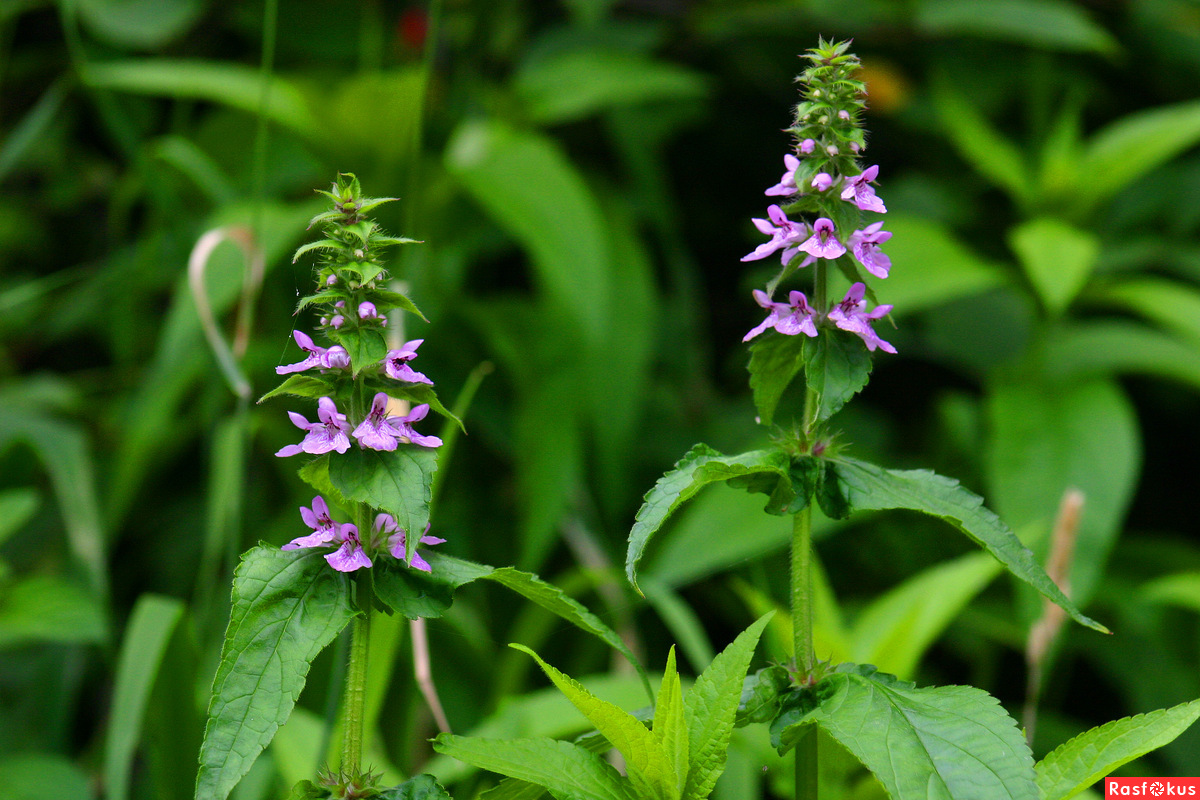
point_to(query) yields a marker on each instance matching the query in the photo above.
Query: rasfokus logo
(1151, 787)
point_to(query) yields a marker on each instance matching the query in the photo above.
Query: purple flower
(807, 146)
(822, 181)
(396, 367)
(313, 359)
(403, 427)
(336, 357)
(319, 520)
(337, 320)
(859, 192)
(321, 437)
(783, 232)
(790, 318)
(375, 431)
(787, 184)
(396, 543)
(865, 246)
(823, 244)
(851, 315)
(368, 311)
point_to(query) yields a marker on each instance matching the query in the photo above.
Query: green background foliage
(582, 175)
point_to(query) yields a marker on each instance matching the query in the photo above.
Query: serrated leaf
(670, 727)
(831, 496)
(711, 708)
(307, 790)
(775, 360)
(287, 606)
(761, 693)
(513, 789)
(700, 466)
(951, 742)
(366, 347)
(870, 487)
(399, 482)
(368, 203)
(418, 787)
(320, 244)
(386, 298)
(301, 386)
(566, 770)
(324, 296)
(1077, 764)
(836, 367)
(316, 474)
(647, 764)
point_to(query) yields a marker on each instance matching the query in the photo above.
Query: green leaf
(414, 593)
(831, 496)
(366, 347)
(32, 128)
(1129, 148)
(139, 24)
(670, 728)
(287, 606)
(316, 474)
(953, 742)
(700, 466)
(1048, 24)
(320, 244)
(150, 627)
(418, 787)
(566, 770)
(17, 506)
(1077, 764)
(869, 487)
(1172, 304)
(775, 360)
(36, 776)
(384, 298)
(1057, 257)
(1181, 589)
(711, 708)
(996, 158)
(235, 85)
(1103, 348)
(397, 481)
(571, 85)
(836, 367)
(45, 608)
(301, 386)
(650, 769)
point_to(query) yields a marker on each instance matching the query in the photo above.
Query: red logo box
(1152, 787)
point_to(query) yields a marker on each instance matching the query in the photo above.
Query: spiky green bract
(1077, 764)
(287, 606)
(946, 742)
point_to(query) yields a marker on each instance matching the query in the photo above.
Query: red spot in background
(412, 27)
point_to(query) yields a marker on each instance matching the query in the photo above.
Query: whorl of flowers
(825, 180)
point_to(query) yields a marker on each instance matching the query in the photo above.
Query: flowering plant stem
(356, 675)
(802, 627)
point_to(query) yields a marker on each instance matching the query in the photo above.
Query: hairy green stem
(802, 618)
(355, 699)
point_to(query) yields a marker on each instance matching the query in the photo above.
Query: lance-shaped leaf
(711, 708)
(566, 770)
(287, 606)
(949, 742)
(398, 482)
(384, 297)
(650, 770)
(414, 593)
(1077, 764)
(320, 244)
(701, 466)
(869, 487)
(836, 367)
(301, 386)
(670, 728)
(775, 360)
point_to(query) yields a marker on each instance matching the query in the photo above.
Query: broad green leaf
(36, 776)
(650, 769)
(1048, 437)
(45, 608)
(419, 787)
(670, 728)
(235, 85)
(287, 606)
(1181, 589)
(566, 770)
(139, 24)
(301, 386)
(1057, 257)
(775, 359)
(572, 85)
(836, 367)
(700, 466)
(711, 707)
(1132, 146)
(1172, 304)
(895, 630)
(1077, 764)
(414, 593)
(366, 347)
(17, 506)
(397, 481)
(513, 789)
(951, 742)
(396, 299)
(870, 487)
(1102, 348)
(761, 694)
(150, 627)
(981, 144)
(556, 218)
(1048, 24)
